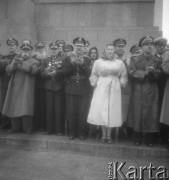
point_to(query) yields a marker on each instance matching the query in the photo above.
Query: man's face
(26, 53)
(137, 53)
(110, 51)
(41, 53)
(93, 54)
(12, 48)
(60, 48)
(86, 48)
(68, 52)
(160, 49)
(148, 48)
(78, 48)
(54, 51)
(119, 49)
(40, 49)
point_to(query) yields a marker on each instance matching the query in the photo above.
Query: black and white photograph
(84, 89)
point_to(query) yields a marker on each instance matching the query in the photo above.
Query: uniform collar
(54, 56)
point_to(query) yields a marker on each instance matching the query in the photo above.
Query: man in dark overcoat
(160, 45)
(164, 120)
(12, 45)
(144, 105)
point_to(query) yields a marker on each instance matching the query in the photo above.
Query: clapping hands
(49, 71)
(150, 69)
(35, 69)
(52, 74)
(4, 62)
(17, 66)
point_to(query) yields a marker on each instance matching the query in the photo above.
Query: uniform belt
(78, 77)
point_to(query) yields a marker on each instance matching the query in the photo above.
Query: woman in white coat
(108, 76)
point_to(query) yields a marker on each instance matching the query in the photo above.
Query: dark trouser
(94, 131)
(55, 111)
(5, 122)
(24, 123)
(149, 138)
(40, 109)
(164, 133)
(138, 137)
(76, 114)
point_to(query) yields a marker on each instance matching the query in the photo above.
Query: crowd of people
(75, 91)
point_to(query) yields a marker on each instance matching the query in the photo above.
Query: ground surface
(39, 157)
(60, 165)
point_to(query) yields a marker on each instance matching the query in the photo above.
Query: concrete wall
(100, 21)
(165, 24)
(158, 13)
(17, 20)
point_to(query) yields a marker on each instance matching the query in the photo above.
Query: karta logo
(136, 173)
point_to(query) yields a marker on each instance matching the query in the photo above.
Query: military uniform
(60, 44)
(4, 78)
(19, 101)
(54, 95)
(77, 89)
(163, 77)
(144, 107)
(40, 100)
(159, 57)
(125, 90)
(164, 120)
